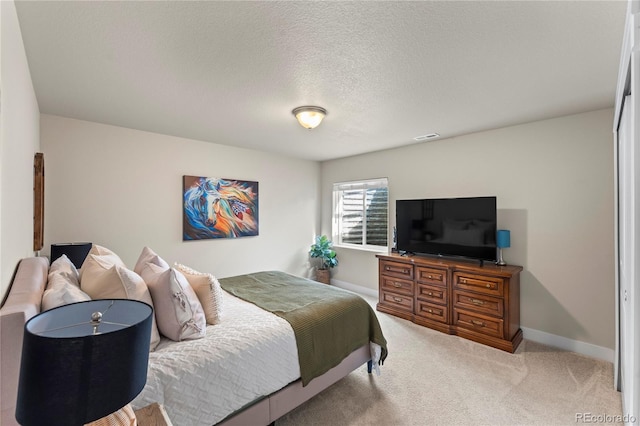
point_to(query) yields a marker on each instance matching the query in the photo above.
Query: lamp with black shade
(83, 361)
(76, 252)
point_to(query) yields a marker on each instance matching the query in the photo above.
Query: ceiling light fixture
(309, 117)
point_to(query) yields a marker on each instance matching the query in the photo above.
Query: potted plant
(322, 249)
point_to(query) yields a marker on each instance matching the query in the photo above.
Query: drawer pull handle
(429, 276)
(430, 293)
(397, 285)
(397, 270)
(463, 281)
(477, 302)
(397, 299)
(480, 323)
(430, 311)
(488, 285)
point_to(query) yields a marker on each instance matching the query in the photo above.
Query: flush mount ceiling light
(309, 117)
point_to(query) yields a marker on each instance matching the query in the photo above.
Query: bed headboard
(22, 303)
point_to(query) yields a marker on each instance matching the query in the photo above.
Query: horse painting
(219, 208)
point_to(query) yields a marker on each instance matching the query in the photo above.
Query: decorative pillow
(208, 290)
(61, 291)
(149, 256)
(180, 314)
(101, 280)
(63, 266)
(107, 256)
(123, 417)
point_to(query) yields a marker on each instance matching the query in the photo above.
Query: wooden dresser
(480, 303)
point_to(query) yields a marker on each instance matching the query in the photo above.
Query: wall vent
(425, 137)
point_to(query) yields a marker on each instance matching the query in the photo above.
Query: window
(360, 214)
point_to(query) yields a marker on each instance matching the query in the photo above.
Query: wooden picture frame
(38, 201)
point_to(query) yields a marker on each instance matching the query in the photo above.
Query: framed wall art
(218, 208)
(38, 201)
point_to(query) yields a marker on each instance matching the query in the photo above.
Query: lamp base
(500, 261)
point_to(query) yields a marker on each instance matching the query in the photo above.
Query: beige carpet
(432, 378)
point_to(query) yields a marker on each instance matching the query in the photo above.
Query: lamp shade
(75, 370)
(503, 238)
(76, 252)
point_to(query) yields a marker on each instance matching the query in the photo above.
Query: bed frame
(24, 301)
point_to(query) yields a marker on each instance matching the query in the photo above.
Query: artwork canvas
(219, 208)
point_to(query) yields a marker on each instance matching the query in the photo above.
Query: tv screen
(448, 227)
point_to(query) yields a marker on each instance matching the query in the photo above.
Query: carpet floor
(431, 378)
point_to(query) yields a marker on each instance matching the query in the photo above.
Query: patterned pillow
(208, 290)
(123, 417)
(179, 313)
(102, 280)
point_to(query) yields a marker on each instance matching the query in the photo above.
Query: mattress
(250, 354)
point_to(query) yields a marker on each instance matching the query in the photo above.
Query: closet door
(627, 218)
(627, 127)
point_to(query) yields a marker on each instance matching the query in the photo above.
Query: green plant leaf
(323, 249)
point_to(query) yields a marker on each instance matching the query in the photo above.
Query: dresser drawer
(477, 302)
(478, 322)
(433, 312)
(397, 285)
(492, 286)
(431, 276)
(433, 294)
(398, 301)
(396, 269)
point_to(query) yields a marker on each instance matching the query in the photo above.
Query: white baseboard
(355, 288)
(588, 349)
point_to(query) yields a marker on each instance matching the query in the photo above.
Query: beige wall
(19, 141)
(122, 188)
(554, 183)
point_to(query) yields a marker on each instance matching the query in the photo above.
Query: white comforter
(249, 354)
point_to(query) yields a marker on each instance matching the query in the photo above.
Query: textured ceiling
(231, 72)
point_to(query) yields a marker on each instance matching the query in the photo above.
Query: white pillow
(208, 290)
(63, 266)
(180, 314)
(101, 280)
(107, 256)
(148, 256)
(61, 291)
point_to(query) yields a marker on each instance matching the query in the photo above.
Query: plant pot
(323, 276)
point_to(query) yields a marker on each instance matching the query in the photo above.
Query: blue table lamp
(503, 240)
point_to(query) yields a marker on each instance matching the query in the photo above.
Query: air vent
(425, 137)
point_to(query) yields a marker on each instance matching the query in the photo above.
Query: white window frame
(340, 187)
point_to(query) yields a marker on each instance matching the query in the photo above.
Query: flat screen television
(457, 227)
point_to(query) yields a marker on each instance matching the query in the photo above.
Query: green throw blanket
(329, 323)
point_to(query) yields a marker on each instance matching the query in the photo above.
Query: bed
(246, 370)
